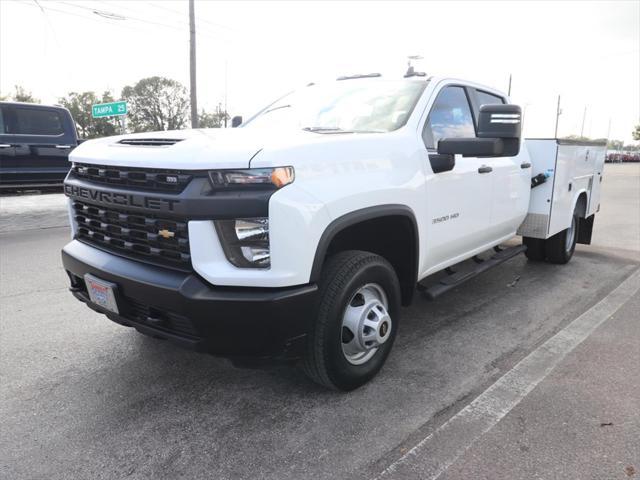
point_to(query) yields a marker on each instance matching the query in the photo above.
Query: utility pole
(558, 113)
(226, 68)
(584, 116)
(192, 65)
(509, 92)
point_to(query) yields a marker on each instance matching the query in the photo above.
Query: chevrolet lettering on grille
(121, 199)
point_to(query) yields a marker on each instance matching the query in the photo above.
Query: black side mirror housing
(499, 131)
(504, 122)
(236, 121)
(441, 162)
(472, 147)
(499, 121)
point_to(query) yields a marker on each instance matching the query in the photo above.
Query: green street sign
(109, 109)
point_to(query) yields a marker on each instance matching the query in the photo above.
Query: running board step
(453, 280)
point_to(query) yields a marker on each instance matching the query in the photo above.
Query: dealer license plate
(101, 293)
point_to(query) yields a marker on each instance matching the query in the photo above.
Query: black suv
(35, 141)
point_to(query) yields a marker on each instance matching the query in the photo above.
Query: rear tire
(356, 320)
(535, 249)
(559, 248)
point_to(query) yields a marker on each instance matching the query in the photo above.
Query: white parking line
(440, 449)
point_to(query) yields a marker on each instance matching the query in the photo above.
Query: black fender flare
(355, 217)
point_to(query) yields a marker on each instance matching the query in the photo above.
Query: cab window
(485, 98)
(32, 121)
(450, 117)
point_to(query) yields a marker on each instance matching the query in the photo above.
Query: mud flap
(585, 229)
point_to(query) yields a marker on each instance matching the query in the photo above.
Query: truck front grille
(141, 236)
(151, 179)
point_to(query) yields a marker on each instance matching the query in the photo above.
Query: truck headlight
(245, 241)
(252, 177)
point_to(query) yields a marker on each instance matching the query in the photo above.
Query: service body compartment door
(572, 168)
(599, 155)
(542, 154)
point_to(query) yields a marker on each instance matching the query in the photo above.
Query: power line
(86, 17)
(136, 19)
(104, 20)
(67, 13)
(214, 24)
(128, 17)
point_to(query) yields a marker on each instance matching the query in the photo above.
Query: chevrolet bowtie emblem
(164, 233)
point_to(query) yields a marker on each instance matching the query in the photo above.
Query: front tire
(356, 322)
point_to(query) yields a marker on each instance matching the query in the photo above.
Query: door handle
(485, 169)
(63, 147)
(525, 165)
(4, 145)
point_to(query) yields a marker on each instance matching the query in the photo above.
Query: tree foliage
(636, 133)
(213, 120)
(156, 103)
(585, 139)
(615, 144)
(21, 95)
(79, 104)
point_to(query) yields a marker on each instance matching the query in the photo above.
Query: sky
(253, 52)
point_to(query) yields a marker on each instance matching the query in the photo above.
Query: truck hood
(187, 149)
(176, 149)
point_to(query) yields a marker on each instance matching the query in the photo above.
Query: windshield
(356, 106)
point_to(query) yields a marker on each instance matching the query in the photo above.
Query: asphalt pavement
(82, 397)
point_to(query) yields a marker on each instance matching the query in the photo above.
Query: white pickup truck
(299, 235)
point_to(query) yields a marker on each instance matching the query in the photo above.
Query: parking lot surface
(83, 397)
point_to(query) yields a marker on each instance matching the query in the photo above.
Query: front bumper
(181, 307)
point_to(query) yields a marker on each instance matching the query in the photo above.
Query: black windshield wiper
(326, 130)
(338, 130)
(276, 108)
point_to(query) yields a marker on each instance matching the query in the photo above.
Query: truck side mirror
(504, 122)
(236, 121)
(472, 147)
(499, 130)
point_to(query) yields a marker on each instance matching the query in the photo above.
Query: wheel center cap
(366, 324)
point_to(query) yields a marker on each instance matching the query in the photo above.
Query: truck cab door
(511, 177)
(458, 189)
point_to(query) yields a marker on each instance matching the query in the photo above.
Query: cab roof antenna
(411, 70)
